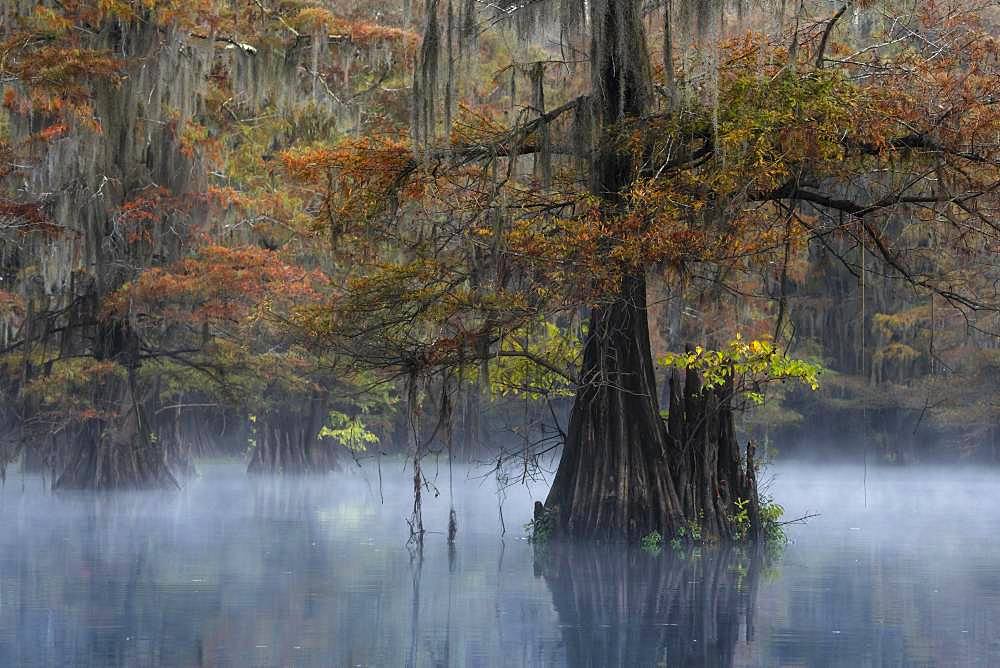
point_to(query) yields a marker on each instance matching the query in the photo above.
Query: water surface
(900, 569)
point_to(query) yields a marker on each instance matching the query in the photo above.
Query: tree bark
(613, 479)
(288, 442)
(117, 452)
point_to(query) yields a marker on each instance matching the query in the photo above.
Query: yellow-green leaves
(747, 364)
(528, 359)
(349, 432)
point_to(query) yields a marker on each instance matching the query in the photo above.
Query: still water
(901, 569)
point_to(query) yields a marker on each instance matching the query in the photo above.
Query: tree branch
(821, 52)
(540, 361)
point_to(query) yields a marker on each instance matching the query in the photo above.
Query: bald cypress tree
(622, 474)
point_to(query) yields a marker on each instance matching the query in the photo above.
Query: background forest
(306, 231)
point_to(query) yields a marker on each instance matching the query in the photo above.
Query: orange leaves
(61, 69)
(662, 223)
(194, 137)
(139, 216)
(10, 304)
(354, 178)
(60, 52)
(149, 205)
(58, 75)
(71, 389)
(10, 99)
(27, 218)
(218, 283)
(476, 125)
(224, 197)
(364, 33)
(49, 22)
(941, 81)
(314, 163)
(52, 132)
(321, 21)
(370, 159)
(315, 20)
(187, 13)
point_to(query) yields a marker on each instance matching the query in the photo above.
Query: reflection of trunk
(623, 607)
(118, 451)
(621, 474)
(288, 442)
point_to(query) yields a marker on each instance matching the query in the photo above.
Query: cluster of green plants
(541, 528)
(652, 542)
(514, 371)
(747, 365)
(770, 521)
(690, 534)
(349, 432)
(340, 428)
(772, 529)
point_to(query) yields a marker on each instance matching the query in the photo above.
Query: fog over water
(903, 569)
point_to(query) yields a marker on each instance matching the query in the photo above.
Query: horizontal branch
(539, 361)
(792, 191)
(248, 49)
(918, 140)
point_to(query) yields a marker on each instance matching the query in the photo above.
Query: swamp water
(901, 570)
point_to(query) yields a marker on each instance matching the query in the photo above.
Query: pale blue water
(234, 571)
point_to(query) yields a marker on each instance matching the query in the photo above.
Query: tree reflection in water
(620, 606)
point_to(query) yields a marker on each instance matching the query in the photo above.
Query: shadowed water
(235, 571)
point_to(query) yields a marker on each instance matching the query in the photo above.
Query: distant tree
(138, 131)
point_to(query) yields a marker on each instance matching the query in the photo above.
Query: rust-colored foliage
(305, 213)
(216, 284)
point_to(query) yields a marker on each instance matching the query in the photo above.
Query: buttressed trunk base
(623, 473)
(118, 453)
(288, 442)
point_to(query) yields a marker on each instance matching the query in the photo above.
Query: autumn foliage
(283, 231)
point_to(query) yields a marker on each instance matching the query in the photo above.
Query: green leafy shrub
(541, 528)
(652, 542)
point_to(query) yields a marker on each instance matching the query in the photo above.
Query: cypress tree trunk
(84, 179)
(37, 457)
(622, 474)
(177, 444)
(613, 479)
(288, 442)
(117, 452)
